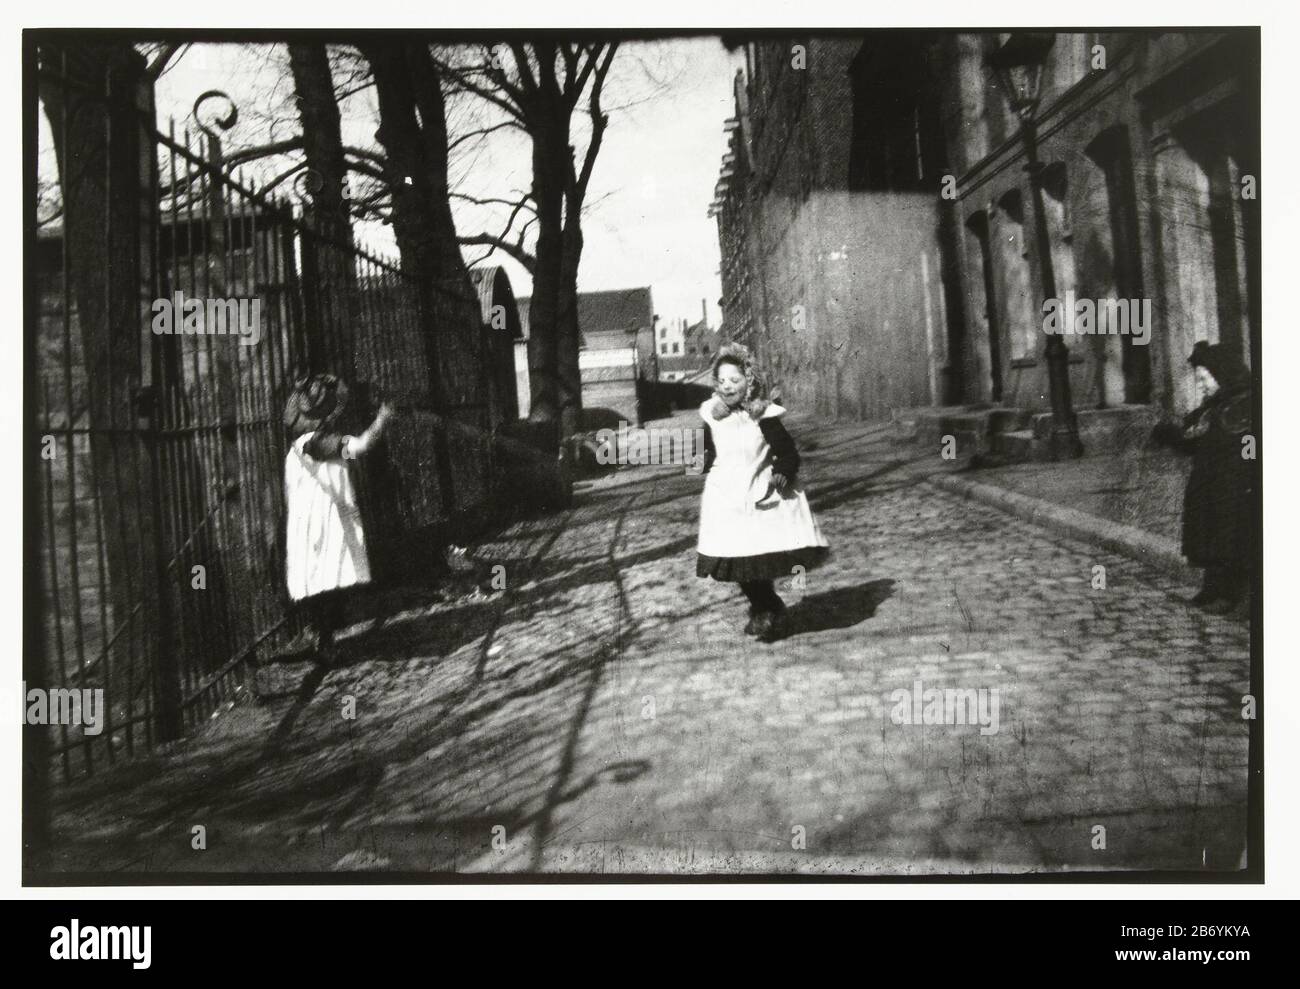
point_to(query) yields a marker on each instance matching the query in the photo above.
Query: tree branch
(493, 200)
(365, 168)
(570, 65)
(461, 77)
(368, 84)
(282, 176)
(527, 88)
(546, 69)
(482, 132)
(599, 121)
(160, 61)
(374, 156)
(46, 221)
(574, 94)
(516, 251)
(525, 70)
(294, 143)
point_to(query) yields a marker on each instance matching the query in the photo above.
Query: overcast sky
(652, 184)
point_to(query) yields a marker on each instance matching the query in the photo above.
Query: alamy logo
(947, 706)
(212, 317)
(77, 943)
(62, 706)
(1087, 317)
(656, 445)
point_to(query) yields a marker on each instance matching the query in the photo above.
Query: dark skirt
(1218, 513)
(766, 566)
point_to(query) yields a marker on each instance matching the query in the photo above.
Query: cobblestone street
(605, 713)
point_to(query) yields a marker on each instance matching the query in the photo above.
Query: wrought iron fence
(162, 501)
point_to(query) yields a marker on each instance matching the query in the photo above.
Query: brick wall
(864, 289)
(839, 291)
(1160, 129)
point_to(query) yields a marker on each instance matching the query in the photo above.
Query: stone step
(967, 441)
(1017, 446)
(982, 420)
(1008, 420)
(994, 434)
(1104, 430)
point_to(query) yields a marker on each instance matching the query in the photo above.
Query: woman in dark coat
(1219, 503)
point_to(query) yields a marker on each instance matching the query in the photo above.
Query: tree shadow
(823, 498)
(425, 752)
(841, 607)
(296, 764)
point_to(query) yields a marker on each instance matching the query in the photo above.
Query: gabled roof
(626, 309)
(622, 311)
(683, 362)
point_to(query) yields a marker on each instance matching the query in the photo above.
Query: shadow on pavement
(842, 607)
(824, 497)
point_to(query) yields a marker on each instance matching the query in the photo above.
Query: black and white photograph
(675, 454)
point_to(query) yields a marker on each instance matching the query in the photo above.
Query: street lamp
(1018, 67)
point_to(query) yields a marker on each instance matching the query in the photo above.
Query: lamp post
(1018, 67)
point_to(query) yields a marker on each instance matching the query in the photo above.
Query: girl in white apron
(755, 523)
(325, 550)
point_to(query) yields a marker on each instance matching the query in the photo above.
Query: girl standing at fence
(326, 548)
(755, 523)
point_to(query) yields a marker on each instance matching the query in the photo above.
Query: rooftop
(623, 310)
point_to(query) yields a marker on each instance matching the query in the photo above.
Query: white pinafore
(326, 548)
(731, 523)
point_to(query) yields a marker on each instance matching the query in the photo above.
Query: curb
(1139, 544)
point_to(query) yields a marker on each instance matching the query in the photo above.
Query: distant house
(670, 339)
(619, 318)
(616, 350)
(681, 367)
(686, 349)
(701, 340)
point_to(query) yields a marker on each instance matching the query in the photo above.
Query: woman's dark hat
(1227, 369)
(314, 402)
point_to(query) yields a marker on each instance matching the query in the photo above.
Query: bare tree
(537, 89)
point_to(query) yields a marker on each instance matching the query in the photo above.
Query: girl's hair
(755, 401)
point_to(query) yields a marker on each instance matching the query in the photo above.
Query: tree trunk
(568, 339)
(550, 168)
(414, 227)
(99, 104)
(407, 81)
(328, 260)
(461, 317)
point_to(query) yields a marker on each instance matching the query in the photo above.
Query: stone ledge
(1146, 547)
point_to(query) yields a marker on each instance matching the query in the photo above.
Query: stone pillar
(1187, 262)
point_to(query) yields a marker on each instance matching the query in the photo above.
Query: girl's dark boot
(774, 626)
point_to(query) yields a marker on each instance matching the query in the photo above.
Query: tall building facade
(879, 244)
(827, 271)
